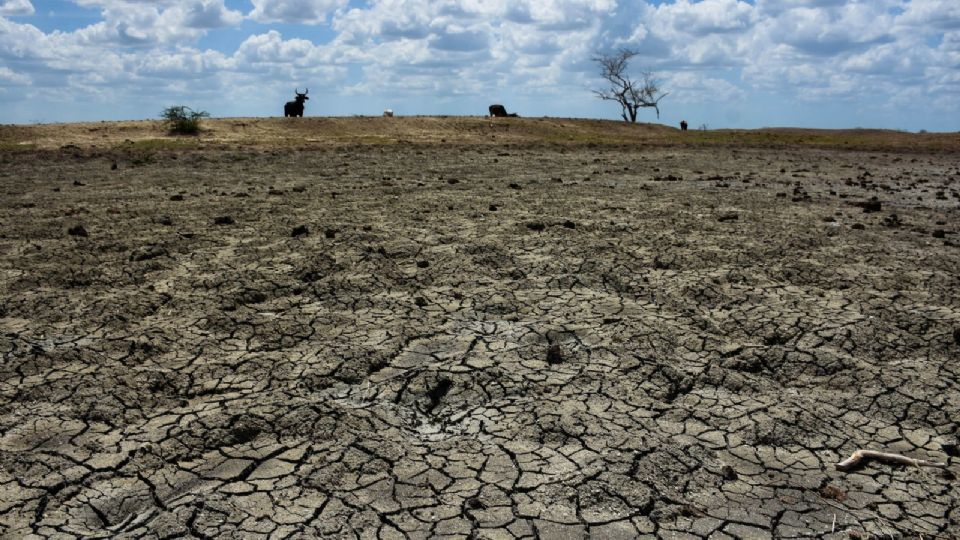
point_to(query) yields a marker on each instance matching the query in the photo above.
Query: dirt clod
(145, 253)
(536, 226)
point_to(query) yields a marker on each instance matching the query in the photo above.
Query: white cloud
(8, 77)
(705, 17)
(209, 14)
(271, 48)
(294, 11)
(689, 87)
(148, 24)
(16, 7)
(931, 14)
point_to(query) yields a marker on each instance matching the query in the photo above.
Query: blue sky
(725, 63)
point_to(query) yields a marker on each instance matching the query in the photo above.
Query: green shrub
(183, 120)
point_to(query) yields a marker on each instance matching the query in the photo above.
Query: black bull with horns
(295, 107)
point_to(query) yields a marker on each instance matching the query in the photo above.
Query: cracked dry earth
(483, 342)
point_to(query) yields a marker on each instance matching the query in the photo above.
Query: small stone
(515, 185)
(728, 473)
(176, 197)
(536, 226)
(569, 224)
(300, 230)
(223, 220)
(423, 264)
(77, 230)
(939, 233)
(493, 208)
(330, 233)
(728, 216)
(858, 226)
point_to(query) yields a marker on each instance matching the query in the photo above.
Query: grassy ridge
(455, 130)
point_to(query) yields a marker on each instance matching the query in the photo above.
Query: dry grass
(459, 130)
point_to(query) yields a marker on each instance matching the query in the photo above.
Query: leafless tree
(630, 94)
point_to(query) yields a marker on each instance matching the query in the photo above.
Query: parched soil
(478, 341)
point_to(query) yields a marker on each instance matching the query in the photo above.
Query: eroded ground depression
(482, 341)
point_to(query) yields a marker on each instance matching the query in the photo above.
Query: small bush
(183, 120)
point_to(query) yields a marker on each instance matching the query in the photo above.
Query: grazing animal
(295, 107)
(388, 113)
(683, 125)
(499, 111)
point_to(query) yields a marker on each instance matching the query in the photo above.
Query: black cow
(683, 125)
(295, 107)
(499, 111)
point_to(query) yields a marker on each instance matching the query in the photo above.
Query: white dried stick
(859, 456)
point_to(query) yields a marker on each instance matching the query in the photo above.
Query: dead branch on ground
(858, 457)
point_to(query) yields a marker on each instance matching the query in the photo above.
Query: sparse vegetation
(140, 136)
(183, 120)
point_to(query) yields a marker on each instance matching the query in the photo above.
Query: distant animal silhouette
(295, 107)
(683, 125)
(499, 111)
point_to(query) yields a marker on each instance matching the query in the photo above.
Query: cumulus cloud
(149, 24)
(209, 14)
(691, 87)
(294, 11)
(931, 14)
(705, 17)
(10, 77)
(16, 7)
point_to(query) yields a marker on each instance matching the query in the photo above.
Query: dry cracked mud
(478, 342)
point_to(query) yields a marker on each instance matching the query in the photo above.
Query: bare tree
(630, 94)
